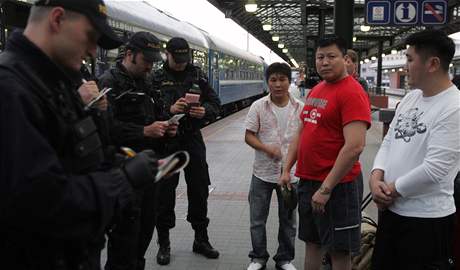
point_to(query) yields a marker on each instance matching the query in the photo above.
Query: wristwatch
(324, 190)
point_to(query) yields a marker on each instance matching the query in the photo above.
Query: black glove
(141, 169)
(289, 198)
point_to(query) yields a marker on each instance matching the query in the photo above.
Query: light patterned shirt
(261, 120)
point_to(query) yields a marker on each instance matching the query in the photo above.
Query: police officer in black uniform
(139, 117)
(177, 78)
(56, 200)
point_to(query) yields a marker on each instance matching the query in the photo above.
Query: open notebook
(166, 166)
(172, 164)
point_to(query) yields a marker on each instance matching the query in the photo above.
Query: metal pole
(304, 20)
(343, 20)
(379, 68)
(2, 29)
(321, 30)
(321, 23)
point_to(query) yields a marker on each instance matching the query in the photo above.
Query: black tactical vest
(70, 131)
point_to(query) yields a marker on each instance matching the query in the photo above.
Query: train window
(222, 64)
(200, 59)
(214, 59)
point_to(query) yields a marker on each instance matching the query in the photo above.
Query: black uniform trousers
(197, 179)
(131, 236)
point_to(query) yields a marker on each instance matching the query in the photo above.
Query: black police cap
(96, 12)
(148, 44)
(179, 49)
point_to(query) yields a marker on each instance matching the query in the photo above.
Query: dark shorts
(339, 228)
(413, 243)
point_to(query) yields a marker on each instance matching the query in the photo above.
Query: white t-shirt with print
(421, 153)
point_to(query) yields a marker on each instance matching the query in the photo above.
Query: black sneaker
(164, 255)
(204, 248)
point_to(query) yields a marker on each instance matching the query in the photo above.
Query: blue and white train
(236, 75)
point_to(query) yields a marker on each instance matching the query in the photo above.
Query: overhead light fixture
(294, 62)
(383, 55)
(361, 62)
(385, 71)
(407, 46)
(354, 39)
(365, 28)
(373, 58)
(251, 6)
(267, 26)
(451, 65)
(393, 70)
(276, 38)
(280, 45)
(285, 50)
(394, 51)
(366, 60)
(400, 69)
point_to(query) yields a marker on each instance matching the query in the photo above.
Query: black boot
(164, 252)
(140, 264)
(164, 255)
(202, 246)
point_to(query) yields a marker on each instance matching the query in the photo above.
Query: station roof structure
(296, 23)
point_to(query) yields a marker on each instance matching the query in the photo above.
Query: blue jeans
(260, 194)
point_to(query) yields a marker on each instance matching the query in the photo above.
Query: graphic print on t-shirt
(312, 115)
(408, 125)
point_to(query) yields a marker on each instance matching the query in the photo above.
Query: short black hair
(333, 40)
(428, 43)
(280, 68)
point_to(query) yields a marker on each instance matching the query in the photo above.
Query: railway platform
(230, 166)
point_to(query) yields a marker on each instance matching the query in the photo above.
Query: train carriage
(236, 75)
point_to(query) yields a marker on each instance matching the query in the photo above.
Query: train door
(214, 70)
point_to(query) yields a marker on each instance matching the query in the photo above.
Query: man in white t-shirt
(412, 180)
(270, 124)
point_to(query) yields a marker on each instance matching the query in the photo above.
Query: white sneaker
(287, 266)
(256, 266)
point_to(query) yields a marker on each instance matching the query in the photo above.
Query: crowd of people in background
(67, 184)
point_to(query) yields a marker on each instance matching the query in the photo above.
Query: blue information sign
(378, 12)
(406, 12)
(434, 12)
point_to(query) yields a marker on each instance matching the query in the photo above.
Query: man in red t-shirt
(335, 118)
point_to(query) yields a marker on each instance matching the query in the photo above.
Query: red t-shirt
(328, 108)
